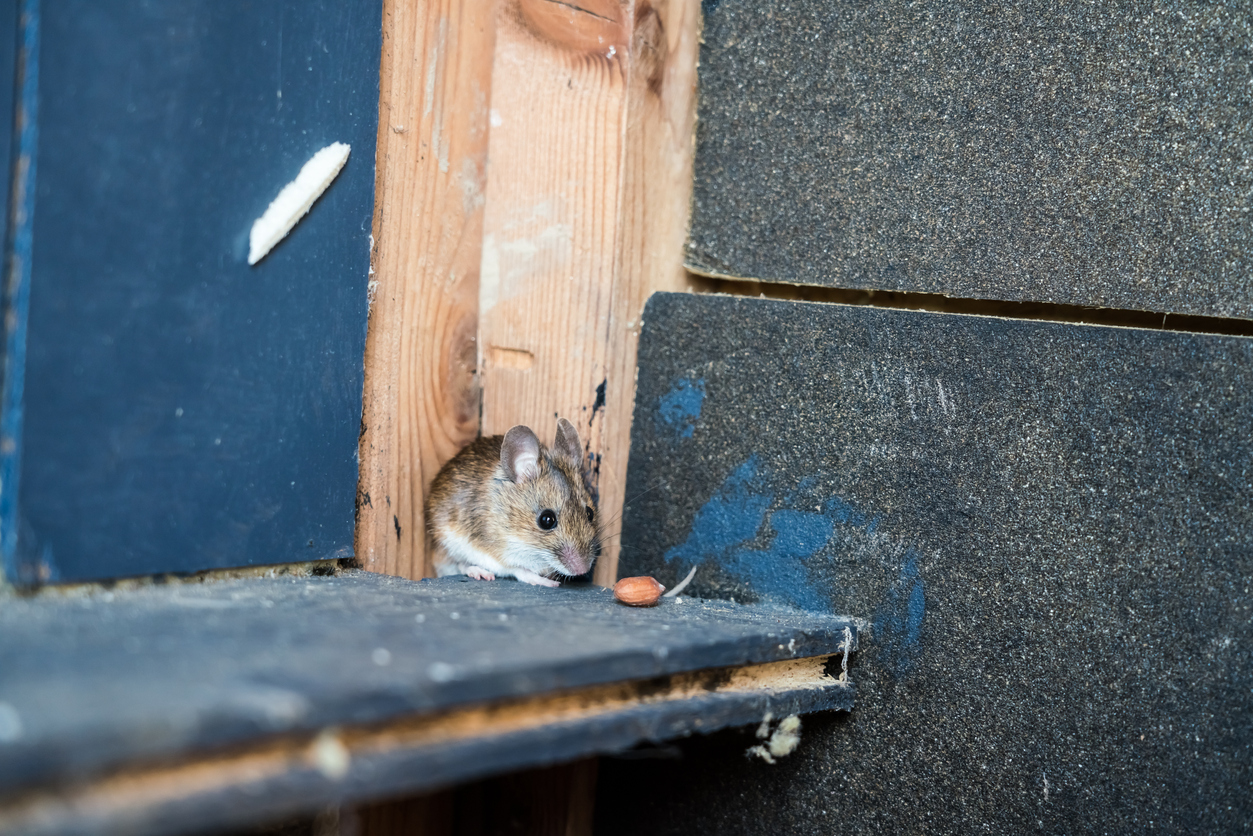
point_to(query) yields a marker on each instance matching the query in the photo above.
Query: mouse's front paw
(480, 574)
(532, 578)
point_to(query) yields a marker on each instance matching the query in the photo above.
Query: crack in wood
(581, 9)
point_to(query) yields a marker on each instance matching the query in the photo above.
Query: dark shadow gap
(939, 303)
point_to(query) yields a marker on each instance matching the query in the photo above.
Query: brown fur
(473, 496)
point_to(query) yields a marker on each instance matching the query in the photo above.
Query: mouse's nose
(574, 560)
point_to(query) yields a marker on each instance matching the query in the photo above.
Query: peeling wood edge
(292, 774)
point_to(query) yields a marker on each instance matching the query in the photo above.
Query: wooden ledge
(238, 701)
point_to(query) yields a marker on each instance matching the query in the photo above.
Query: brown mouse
(509, 506)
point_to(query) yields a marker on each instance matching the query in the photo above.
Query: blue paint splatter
(779, 572)
(843, 513)
(914, 615)
(680, 407)
(898, 621)
(733, 516)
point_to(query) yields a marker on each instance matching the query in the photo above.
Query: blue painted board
(8, 92)
(182, 410)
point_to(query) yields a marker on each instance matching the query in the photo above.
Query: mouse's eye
(547, 519)
(591, 513)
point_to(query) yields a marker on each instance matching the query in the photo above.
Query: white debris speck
(381, 656)
(782, 743)
(441, 671)
(330, 755)
(295, 199)
(10, 723)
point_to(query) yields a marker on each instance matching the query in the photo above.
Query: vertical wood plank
(587, 191)
(421, 398)
(653, 221)
(558, 104)
(587, 205)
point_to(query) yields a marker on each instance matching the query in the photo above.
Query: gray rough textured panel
(1049, 527)
(88, 683)
(1082, 153)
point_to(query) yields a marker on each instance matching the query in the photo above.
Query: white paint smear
(295, 199)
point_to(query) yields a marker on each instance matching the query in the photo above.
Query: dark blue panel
(183, 410)
(8, 82)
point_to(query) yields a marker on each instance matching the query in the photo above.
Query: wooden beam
(421, 397)
(653, 221)
(586, 214)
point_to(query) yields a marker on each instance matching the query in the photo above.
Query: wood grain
(586, 215)
(421, 396)
(652, 219)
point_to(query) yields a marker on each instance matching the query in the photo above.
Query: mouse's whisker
(627, 504)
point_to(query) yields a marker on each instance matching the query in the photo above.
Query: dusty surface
(1048, 526)
(1083, 153)
(117, 677)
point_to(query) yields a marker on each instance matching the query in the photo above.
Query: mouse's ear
(567, 445)
(519, 454)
